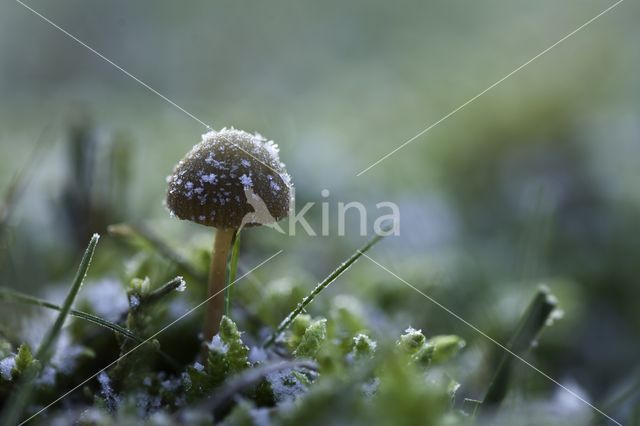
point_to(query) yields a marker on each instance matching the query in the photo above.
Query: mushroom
(231, 179)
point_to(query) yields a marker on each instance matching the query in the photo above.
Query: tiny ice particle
(183, 284)
(134, 302)
(246, 181)
(246, 162)
(209, 178)
(218, 345)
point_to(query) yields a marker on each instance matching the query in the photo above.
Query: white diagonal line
(154, 335)
(77, 40)
(127, 73)
(500, 345)
(431, 126)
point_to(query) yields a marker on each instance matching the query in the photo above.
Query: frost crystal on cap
(210, 184)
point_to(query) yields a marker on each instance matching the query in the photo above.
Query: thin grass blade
(19, 400)
(536, 317)
(321, 286)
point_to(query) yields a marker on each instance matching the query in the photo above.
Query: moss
(313, 337)
(237, 352)
(363, 346)
(411, 341)
(24, 361)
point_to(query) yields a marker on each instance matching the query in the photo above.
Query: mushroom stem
(217, 282)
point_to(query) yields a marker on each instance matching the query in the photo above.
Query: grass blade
(19, 400)
(16, 297)
(321, 286)
(233, 269)
(534, 320)
(46, 347)
(168, 288)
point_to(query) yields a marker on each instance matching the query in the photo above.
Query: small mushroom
(231, 179)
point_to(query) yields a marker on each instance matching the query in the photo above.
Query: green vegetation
(509, 297)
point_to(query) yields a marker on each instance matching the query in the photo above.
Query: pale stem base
(214, 309)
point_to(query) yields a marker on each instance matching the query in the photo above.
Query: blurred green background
(535, 182)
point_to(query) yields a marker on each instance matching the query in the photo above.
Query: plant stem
(321, 286)
(534, 320)
(217, 282)
(159, 293)
(233, 269)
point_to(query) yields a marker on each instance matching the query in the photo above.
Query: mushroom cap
(231, 178)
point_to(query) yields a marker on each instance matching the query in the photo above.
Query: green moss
(298, 328)
(445, 347)
(312, 339)
(363, 346)
(24, 360)
(237, 352)
(411, 341)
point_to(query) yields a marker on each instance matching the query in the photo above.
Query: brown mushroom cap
(212, 183)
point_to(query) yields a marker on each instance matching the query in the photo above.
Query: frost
(107, 392)
(555, 315)
(210, 178)
(47, 377)
(257, 354)
(274, 186)
(106, 298)
(198, 367)
(363, 345)
(6, 366)
(245, 162)
(183, 284)
(171, 385)
(272, 149)
(134, 302)
(286, 387)
(246, 181)
(370, 388)
(66, 355)
(188, 186)
(412, 340)
(218, 345)
(210, 135)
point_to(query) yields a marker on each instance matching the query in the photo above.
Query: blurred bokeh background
(537, 181)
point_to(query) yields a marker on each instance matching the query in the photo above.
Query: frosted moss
(312, 339)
